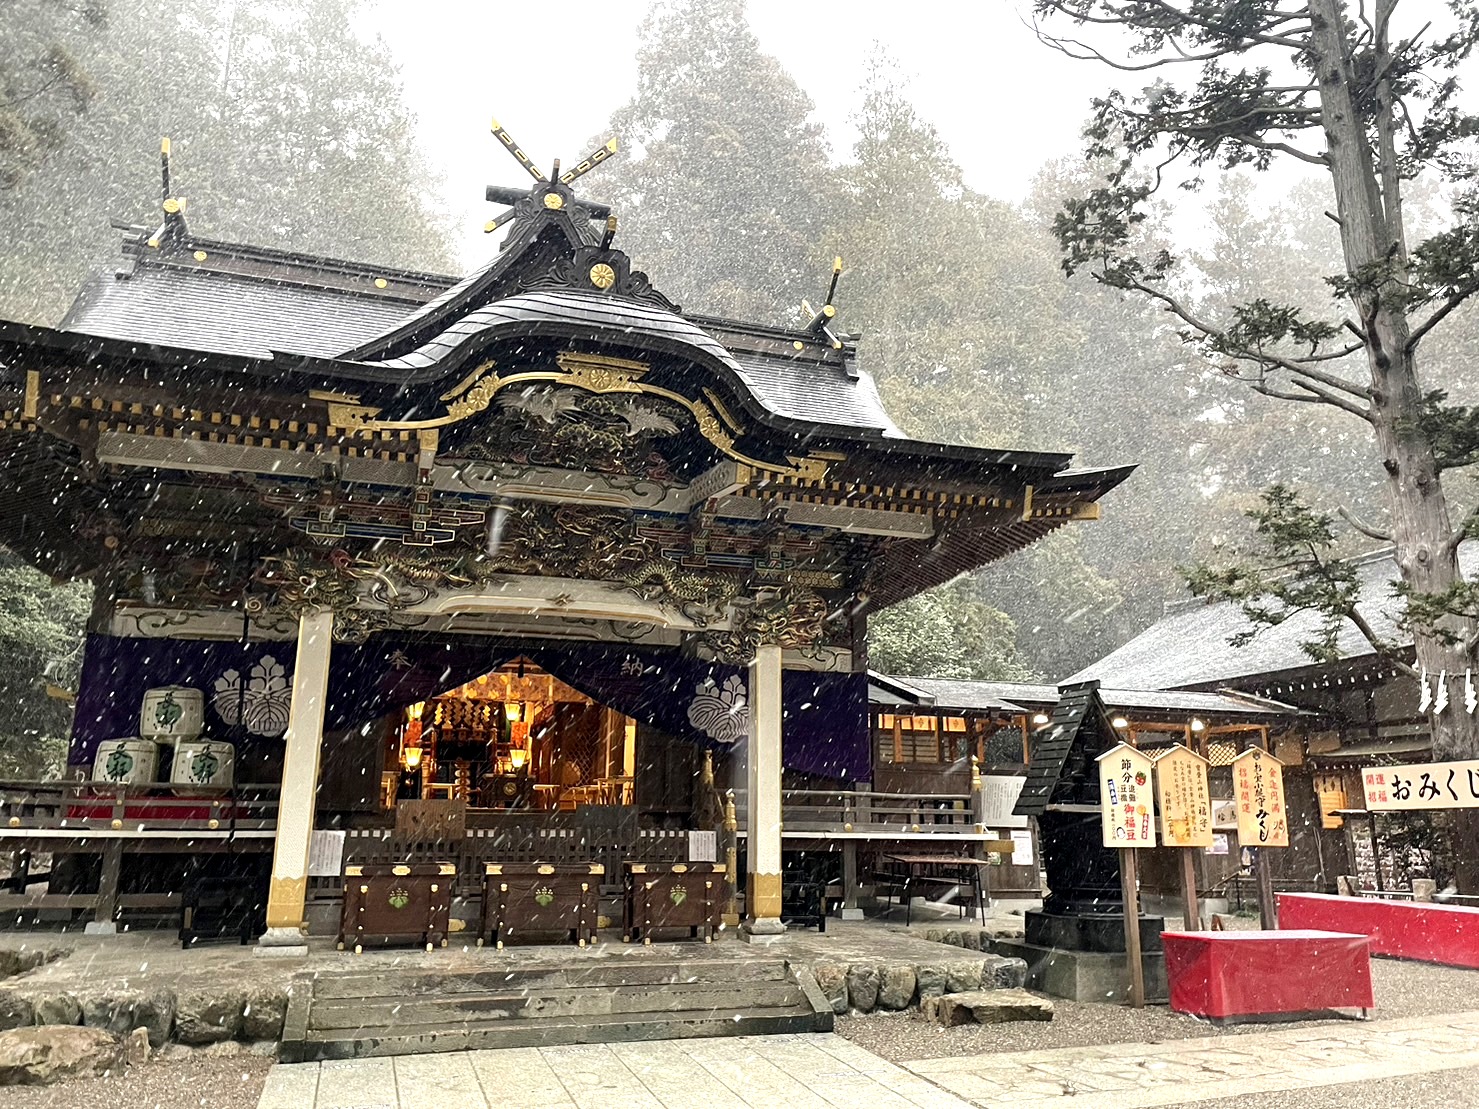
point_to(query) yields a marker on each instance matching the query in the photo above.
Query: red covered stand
(1243, 974)
(1447, 934)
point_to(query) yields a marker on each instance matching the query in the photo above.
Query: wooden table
(946, 870)
(525, 898)
(1228, 975)
(388, 903)
(663, 896)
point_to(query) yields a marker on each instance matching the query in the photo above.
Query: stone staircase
(401, 1012)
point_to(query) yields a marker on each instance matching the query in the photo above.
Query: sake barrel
(203, 762)
(129, 761)
(172, 712)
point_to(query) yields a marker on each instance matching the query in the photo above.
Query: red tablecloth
(1447, 934)
(1229, 974)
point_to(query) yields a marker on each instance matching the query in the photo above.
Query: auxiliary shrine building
(529, 564)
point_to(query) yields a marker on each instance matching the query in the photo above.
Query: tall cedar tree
(288, 128)
(1346, 92)
(722, 196)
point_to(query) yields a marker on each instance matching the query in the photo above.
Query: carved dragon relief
(373, 590)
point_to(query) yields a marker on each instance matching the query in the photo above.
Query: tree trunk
(1370, 233)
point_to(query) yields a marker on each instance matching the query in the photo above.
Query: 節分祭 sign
(1182, 795)
(1258, 786)
(1424, 785)
(1126, 811)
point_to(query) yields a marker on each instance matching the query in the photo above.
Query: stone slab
(1089, 931)
(986, 1007)
(1085, 975)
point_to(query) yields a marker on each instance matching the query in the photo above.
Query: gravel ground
(201, 1082)
(1402, 990)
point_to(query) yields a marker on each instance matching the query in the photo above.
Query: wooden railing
(86, 806)
(843, 810)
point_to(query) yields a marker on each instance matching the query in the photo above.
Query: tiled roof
(1190, 647)
(949, 693)
(255, 315)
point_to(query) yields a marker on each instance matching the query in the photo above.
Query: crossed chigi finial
(552, 191)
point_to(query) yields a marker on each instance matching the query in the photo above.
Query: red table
(1246, 974)
(1447, 934)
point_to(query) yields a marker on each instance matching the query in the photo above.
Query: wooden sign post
(1127, 820)
(1186, 817)
(1258, 784)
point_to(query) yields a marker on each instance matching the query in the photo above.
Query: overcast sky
(552, 74)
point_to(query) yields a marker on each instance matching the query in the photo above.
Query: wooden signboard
(1125, 800)
(1183, 797)
(1258, 786)
(1427, 785)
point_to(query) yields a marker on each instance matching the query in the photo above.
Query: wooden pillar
(304, 742)
(105, 916)
(763, 815)
(1129, 891)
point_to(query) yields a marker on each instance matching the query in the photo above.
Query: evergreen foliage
(287, 127)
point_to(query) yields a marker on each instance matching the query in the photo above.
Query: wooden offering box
(673, 895)
(388, 904)
(524, 898)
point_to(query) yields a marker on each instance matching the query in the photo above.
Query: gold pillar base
(286, 898)
(762, 896)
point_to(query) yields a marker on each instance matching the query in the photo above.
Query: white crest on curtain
(722, 714)
(263, 708)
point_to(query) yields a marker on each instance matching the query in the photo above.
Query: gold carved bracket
(595, 373)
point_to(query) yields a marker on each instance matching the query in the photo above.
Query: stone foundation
(1085, 975)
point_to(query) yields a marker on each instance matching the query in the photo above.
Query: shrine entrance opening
(520, 738)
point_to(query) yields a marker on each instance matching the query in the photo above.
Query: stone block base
(985, 1007)
(1086, 975)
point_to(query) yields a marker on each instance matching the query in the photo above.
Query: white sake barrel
(172, 712)
(203, 762)
(126, 761)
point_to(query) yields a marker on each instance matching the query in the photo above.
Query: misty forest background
(731, 198)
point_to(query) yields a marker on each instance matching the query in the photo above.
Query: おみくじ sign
(1426, 785)
(1126, 805)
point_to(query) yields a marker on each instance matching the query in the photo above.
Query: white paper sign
(325, 854)
(1021, 848)
(703, 847)
(999, 794)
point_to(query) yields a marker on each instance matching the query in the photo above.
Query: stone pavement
(825, 1071)
(759, 1072)
(1183, 1072)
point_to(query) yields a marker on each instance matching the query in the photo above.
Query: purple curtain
(825, 730)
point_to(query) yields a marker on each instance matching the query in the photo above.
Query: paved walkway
(1180, 1072)
(826, 1071)
(759, 1072)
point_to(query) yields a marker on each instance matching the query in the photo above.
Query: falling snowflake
(721, 714)
(263, 708)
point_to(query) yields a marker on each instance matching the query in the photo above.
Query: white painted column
(763, 781)
(285, 933)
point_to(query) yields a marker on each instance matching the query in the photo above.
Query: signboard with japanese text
(1126, 808)
(1425, 785)
(1182, 795)
(1258, 788)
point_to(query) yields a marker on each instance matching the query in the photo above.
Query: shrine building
(527, 564)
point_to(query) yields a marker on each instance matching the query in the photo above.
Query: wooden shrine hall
(535, 544)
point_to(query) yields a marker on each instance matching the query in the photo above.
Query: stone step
(614, 972)
(552, 1032)
(341, 1016)
(351, 1013)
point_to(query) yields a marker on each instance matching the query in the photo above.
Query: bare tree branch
(1364, 528)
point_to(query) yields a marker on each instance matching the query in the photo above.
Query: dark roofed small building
(1356, 712)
